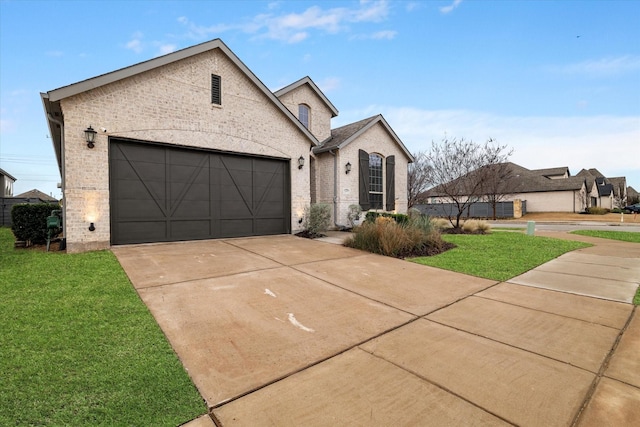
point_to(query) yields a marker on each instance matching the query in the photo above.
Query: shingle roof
(344, 135)
(552, 171)
(36, 194)
(523, 180)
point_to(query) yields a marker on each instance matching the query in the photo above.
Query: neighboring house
(632, 196)
(544, 190)
(7, 203)
(604, 192)
(192, 145)
(6, 184)
(555, 190)
(36, 196)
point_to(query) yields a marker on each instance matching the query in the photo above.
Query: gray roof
(51, 99)
(307, 80)
(552, 171)
(36, 194)
(344, 135)
(524, 180)
(7, 174)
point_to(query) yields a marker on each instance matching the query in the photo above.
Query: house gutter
(62, 168)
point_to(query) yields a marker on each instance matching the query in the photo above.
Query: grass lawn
(79, 347)
(614, 235)
(499, 255)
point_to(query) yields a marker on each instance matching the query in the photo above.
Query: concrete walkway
(285, 331)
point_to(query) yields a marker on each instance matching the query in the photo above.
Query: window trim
(307, 109)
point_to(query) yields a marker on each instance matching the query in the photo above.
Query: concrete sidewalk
(286, 331)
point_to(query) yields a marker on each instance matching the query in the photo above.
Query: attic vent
(216, 90)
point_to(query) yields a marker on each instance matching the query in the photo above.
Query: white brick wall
(171, 104)
(374, 140)
(320, 120)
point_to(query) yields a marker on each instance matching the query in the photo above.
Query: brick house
(192, 145)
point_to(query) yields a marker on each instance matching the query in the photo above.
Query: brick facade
(170, 104)
(168, 100)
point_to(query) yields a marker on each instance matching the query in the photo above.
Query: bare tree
(498, 184)
(418, 178)
(456, 176)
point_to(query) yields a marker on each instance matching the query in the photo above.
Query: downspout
(62, 170)
(335, 190)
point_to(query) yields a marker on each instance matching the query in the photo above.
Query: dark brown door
(162, 193)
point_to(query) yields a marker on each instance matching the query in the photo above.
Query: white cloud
(135, 44)
(167, 48)
(296, 27)
(608, 143)
(448, 9)
(602, 67)
(55, 53)
(329, 84)
(379, 35)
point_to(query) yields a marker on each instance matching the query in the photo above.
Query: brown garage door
(162, 193)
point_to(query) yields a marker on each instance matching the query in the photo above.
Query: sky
(556, 81)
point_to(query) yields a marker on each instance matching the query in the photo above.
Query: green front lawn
(614, 235)
(79, 347)
(499, 255)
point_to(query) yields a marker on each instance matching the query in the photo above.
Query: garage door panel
(141, 232)
(163, 193)
(190, 230)
(268, 226)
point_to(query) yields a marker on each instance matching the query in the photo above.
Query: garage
(163, 193)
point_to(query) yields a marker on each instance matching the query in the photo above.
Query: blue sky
(558, 81)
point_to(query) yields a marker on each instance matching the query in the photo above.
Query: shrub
(476, 226)
(399, 218)
(317, 218)
(440, 223)
(385, 236)
(354, 214)
(29, 221)
(596, 210)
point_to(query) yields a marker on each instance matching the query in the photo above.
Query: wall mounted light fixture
(90, 136)
(300, 162)
(92, 227)
(347, 168)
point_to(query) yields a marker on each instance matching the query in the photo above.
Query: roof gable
(342, 136)
(307, 81)
(51, 99)
(4, 173)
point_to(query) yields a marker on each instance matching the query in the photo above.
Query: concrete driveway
(281, 330)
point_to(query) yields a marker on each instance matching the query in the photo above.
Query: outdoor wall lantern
(300, 162)
(90, 136)
(92, 227)
(347, 168)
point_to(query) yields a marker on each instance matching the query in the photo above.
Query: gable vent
(216, 90)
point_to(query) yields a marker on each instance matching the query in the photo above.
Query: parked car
(633, 208)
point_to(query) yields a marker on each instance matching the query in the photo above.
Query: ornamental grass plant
(384, 236)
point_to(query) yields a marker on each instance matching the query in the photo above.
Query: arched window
(376, 188)
(303, 114)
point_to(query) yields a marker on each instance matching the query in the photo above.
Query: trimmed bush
(317, 218)
(29, 221)
(399, 218)
(595, 210)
